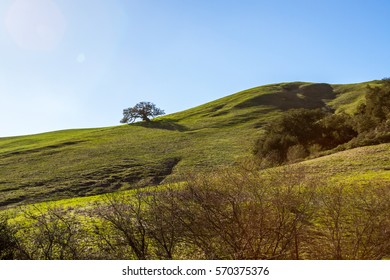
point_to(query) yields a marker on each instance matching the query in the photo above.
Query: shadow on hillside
(294, 96)
(167, 124)
(49, 148)
(242, 118)
(129, 174)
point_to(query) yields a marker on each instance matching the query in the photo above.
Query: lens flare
(81, 58)
(35, 24)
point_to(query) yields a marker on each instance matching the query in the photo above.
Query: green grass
(87, 162)
(349, 97)
(357, 166)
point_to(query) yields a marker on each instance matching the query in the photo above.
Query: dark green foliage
(372, 119)
(301, 124)
(376, 110)
(336, 129)
(7, 240)
(378, 101)
(297, 126)
(142, 110)
(301, 131)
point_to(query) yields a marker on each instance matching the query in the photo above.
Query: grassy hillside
(359, 166)
(74, 163)
(303, 210)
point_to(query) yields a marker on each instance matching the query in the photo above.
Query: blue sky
(79, 63)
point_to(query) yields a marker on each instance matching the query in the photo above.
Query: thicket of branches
(231, 215)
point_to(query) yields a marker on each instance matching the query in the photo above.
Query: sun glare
(81, 58)
(35, 24)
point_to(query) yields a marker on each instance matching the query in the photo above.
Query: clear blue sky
(79, 63)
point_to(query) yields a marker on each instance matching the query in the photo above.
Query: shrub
(376, 109)
(236, 213)
(352, 223)
(300, 132)
(7, 240)
(296, 152)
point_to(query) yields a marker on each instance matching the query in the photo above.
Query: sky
(78, 63)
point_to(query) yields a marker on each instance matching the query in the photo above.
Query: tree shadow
(167, 124)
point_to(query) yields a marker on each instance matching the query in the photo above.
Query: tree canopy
(142, 110)
(376, 109)
(299, 132)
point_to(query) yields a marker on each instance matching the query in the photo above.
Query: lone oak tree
(142, 110)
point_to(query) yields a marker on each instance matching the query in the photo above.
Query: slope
(75, 163)
(359, 166)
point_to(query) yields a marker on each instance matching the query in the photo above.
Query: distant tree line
(303, 132)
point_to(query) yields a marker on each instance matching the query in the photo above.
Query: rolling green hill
(73, 163)
(359, 166)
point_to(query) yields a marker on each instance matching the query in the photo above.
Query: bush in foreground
(286, 213)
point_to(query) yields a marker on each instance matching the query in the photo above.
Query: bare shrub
(50, 233)
(353, 223)
(141, 226)
(246, 215)
(163, 218)
(296, 152)
(122, 228)
(236, 213)
(7, 239)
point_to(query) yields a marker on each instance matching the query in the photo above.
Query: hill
(73, 163)
(359, 166)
